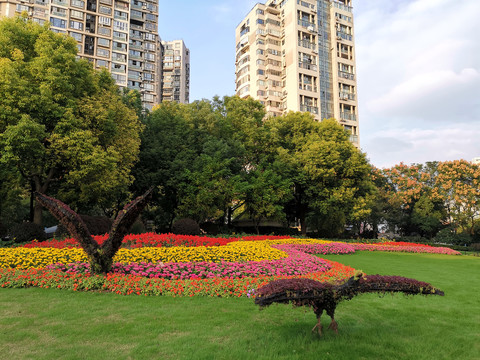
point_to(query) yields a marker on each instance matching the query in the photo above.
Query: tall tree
(329, 175)
(61, 122)
(457, 186)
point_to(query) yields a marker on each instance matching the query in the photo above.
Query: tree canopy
(63, 125)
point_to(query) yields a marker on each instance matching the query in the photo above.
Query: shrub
(27, 231)
(138, 227)
(3, 231)
(186, 227)
(447, 236)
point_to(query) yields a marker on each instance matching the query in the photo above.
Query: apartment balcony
(348, 116)
(307, 87)
(136, 17)
(136, 67)
(343, 95)
(135, 36)
(121, 17)
(59, 2)
(307, 24)
(306, 44)
(344, 36)
(342, 6)
(344, 55)
(136, 27)
(309, 108)
(119, 59)
(308, 66)
(135, 47)
(135, 57)
(135, 77)
(346, 75)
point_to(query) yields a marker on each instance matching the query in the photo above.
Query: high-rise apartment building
(120, 35)
(299, 55)
(175, 72)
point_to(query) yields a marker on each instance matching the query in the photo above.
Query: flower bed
(26, 258)
(406, 248)
(153, 240)
(297, 263)
(140, 285)
(166, 264)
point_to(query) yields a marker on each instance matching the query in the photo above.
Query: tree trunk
(32, 197)
(303, 225)
(38, 214)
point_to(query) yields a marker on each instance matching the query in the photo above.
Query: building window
(103, 42)
(76, 25)
(77, 3)
(61, 23)
(76, 14)
(76, 36)
(103, 52)
(104, 20)
(89, 48)
(119, 25)
(102, 63)
(104, 31)
(105, 10)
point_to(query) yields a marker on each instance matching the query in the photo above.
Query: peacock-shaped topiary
(325, 296)
(100, 256)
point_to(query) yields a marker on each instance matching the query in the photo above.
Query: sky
(418, 70)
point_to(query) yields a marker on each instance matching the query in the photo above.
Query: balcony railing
(309, 108)
(342, 6)
(136, 16)
(307, 65)
(346, 75)
(307, 87)
(307, 24)
(306, 44)
(135, 57)
(348, 116)
(344, 36)
(346, 95)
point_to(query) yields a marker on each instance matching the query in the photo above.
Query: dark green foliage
(186, 227)
(100, 257)
(448, 236)
(27, 231)
(3, 230)
(97, 225)
(325, 297)
(138, 227)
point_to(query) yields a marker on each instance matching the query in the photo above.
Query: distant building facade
(175, 72)
(299, 55)
(119, 35)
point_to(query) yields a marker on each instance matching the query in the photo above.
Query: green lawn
(51, 324)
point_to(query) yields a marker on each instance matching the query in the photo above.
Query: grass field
(51, 324)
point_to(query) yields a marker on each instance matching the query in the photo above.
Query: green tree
(331, 178)
(63, 125)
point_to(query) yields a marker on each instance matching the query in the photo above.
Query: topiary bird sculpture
(100, 256)
(325, 297)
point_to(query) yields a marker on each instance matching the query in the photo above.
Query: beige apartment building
(299, 55)
(175, 72)
(120, 35)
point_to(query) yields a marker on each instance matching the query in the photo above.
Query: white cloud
(418, 66)
(415, 145)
